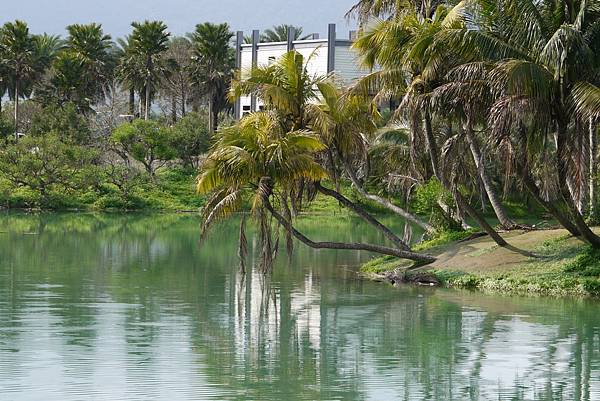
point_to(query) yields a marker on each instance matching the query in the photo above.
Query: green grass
(444, 238)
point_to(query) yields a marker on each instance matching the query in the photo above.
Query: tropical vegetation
(475, 116)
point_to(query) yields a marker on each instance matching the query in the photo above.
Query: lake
(132, 307)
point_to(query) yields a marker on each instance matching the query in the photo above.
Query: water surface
(130, 307)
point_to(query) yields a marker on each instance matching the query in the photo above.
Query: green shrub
(426, 201)
(586, 263)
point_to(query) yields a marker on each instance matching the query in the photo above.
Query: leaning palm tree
(213, 64)
(149, 41)
(17, 52)
(256, 161)
(345, 123)
(279, 33)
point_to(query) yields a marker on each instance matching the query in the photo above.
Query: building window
(246, 108)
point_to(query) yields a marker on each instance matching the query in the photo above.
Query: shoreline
(564, 266)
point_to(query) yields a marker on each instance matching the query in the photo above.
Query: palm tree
(17, 49)
(259, 158)
(279, 33)
(213, 64)
(543, 55)
(91, 47)
(149, 41)
(366, 10)
(345, 123)
(285, 86)
(129, 70)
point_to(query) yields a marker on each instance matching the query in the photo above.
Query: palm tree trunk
(132, 101)
(533, 190)
(386, 203)
(586, 233)
(147, 105)
(173, 109)
(364, 215)
(593, 193)
(211, 112)
(384, 250)
(480, 220)
(183, 100)
(17, 109)
(460, 200)
(505, 221)
(431, 145)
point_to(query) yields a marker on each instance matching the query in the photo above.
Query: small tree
(45, 164)
(147, 142)
(190, 139)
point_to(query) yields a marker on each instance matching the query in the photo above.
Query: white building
(330, 55)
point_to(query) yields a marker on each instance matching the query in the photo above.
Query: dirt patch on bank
(482, 255)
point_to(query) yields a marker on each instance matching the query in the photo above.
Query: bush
(190, 138)
(586, 263)
(426, 201)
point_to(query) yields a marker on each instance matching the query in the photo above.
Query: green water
(109, 307)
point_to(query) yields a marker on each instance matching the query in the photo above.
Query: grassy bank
(564, 266)
(173, 190)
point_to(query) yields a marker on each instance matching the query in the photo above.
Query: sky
(52, 16)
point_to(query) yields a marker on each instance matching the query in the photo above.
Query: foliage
(190, 138)
(148, 142)
(64, 121)
(46, 164)
(279, 33)
(428, 199)
(444, 238)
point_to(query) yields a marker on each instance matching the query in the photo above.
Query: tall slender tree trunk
(505, 221)
(386, 203)
(431, 145)
(364, 215)
(593, 193)
(17, 81)
(147, 105)
(132, 102)
(586, 233)
(183, 100)
(460, 200)
(211, 112)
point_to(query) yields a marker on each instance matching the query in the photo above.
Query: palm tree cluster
(498, 94)
(489, 100)
(87, 68)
